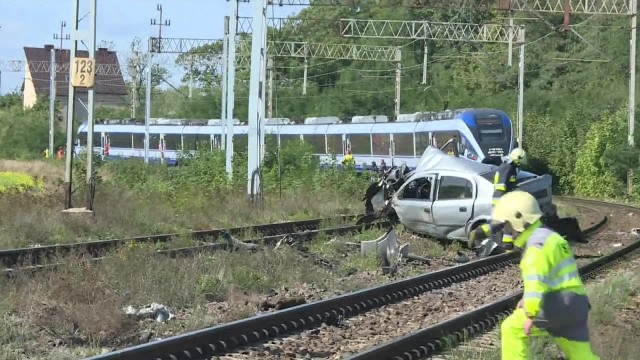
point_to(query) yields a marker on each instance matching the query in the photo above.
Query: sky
(33, 23)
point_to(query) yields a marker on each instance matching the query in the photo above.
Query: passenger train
(478, 133)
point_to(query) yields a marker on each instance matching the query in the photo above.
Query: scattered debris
(235, 245)
(617, 245)
(461, 258)
(280, 302)
(156, 311)
(635, 232)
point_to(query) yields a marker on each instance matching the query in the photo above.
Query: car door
(453, 205)
(413, 202)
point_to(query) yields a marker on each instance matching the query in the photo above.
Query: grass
(36, 218)
(614, 323)
(81, 304)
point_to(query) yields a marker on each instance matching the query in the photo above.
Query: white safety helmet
(518, 156)
(518, 208)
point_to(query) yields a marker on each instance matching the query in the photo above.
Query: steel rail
(445, 335)
(37, 255)
(301, 236)
(221, 339)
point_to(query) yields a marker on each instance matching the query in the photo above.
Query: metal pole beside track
(633, 8)
(225, 71)
(52, 100)
(68, 176)
(147, 105)
(90, 108)
(521, 89)
(231, 81)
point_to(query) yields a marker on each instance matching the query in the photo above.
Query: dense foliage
(576, 92)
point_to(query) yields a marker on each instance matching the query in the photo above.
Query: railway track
(44, 256)
(247, 338)
(445, 335)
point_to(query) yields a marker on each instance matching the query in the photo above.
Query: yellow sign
(83, 72)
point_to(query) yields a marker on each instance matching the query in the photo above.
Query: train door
(392, 150)
(162, 146)
(105, 142)
(214, 142)
(346, 144)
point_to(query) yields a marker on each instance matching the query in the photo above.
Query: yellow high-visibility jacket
(547, 266)
(504, 180)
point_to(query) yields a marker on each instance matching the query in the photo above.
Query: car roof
(433, 159)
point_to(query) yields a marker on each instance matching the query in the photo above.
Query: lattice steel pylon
(45, 66)
(596, 7)
(428, 30)
(398, 29)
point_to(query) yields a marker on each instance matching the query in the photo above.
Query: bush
(17, 182)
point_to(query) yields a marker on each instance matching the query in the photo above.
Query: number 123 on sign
(83, 72)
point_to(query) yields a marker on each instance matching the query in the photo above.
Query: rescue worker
(504, 181)
(383, 166)
(348, 159)
(554, 301)
(60, 153)
(45, 153)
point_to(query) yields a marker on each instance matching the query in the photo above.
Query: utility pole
(270, 95)
(398, 78)
(225, 65)
(231, 82)
(190, 76)
(633, 7)
(52, 99)
(82, 74)
(160, 24)
(62, 36)
(134, 83)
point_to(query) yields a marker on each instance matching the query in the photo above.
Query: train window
(97, 140)
(240, 143)
(287, 138)
(154, 141)
(360, 143)
(173, 142)
(138, 141)
(271, 142)
(453, 187)
(440, 138)
(490, 128)
(404, 144)
(82, 139)
(316, 141)
(334, 144)
(381, 144)
(194, 142)
(422, 142)
(119, 140)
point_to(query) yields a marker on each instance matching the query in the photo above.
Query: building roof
(111, 83)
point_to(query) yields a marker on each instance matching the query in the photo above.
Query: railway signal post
(83, 76)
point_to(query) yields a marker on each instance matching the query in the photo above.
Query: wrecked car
(447, 197)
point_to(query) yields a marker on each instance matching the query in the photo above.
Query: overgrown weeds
(82, 304)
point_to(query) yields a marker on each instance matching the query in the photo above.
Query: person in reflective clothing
(554, 301)
(504, 181)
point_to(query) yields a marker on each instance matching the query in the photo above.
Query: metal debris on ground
(159, 312)
(235, 245)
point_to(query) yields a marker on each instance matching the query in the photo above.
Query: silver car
(447, 196)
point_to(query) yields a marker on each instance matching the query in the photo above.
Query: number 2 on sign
(83, 74)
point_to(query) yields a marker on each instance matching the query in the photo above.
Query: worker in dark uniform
(504, 181)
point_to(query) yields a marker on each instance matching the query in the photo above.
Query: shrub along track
(45, 256)
(351, 322)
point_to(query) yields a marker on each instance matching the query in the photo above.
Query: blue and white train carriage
(480, 133)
